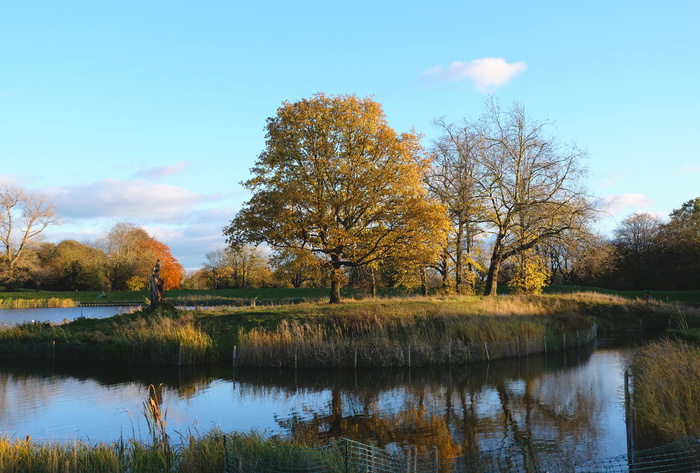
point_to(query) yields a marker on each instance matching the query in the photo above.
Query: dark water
(575, 399)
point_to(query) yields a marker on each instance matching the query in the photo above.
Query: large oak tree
(337, 180)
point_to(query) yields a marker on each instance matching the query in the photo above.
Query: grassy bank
(667, 390)
(266, 296)
(369, 332)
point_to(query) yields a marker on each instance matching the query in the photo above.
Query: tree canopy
(337, 180)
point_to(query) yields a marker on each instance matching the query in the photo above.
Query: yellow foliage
(531, 275)
(337, 180)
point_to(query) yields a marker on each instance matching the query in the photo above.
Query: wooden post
(486, 347)
(234, 356)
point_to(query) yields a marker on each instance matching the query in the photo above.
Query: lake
(575, 399)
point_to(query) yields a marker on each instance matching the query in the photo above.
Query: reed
(209, 453)
(21, 303)
(667, 390)
(407, 332)
(160, 338)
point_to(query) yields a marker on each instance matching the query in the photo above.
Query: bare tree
(452, 180)
(530, 184)
(24, 216)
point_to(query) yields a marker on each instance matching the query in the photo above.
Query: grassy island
(384, 332)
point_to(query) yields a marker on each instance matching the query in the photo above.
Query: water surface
(575, 399)
(57, 315)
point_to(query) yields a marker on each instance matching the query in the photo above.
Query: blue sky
(153, 112)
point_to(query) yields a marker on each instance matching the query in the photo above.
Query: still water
(55, 315)
(575, 399)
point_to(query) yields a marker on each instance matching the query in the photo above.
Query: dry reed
(667, 389)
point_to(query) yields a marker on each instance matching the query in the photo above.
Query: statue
(156, 286)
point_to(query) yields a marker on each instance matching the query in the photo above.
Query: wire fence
(348, 456)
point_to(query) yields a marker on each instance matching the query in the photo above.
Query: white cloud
(486, 73)
(125, 200)
(159, 172)
(616, 204)
(688, 169)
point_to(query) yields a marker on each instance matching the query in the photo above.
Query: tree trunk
(492, 278)
(458, 259)
(335, 285)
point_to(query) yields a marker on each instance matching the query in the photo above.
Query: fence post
(486, 347)
(234, 355)
(179, 356)
(347, 455)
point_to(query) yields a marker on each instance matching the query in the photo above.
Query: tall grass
(20, 303)
(203, 454)
(667, 390)
(409, 332)
(153, 337)
(159, 339)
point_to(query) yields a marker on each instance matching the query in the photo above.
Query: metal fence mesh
(348, 456)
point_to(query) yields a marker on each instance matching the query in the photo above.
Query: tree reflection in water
(565, 398)
(459, 409)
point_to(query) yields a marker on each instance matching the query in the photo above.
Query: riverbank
(414, 331)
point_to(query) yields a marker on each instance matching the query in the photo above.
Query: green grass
(657, 296)
(198, 297)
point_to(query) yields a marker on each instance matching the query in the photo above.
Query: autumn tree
(24, 216)
(130, 255)
(335, 179)
(171, 271)
(530, 273)
(297, 267)
(69, 266)
(530, 185)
